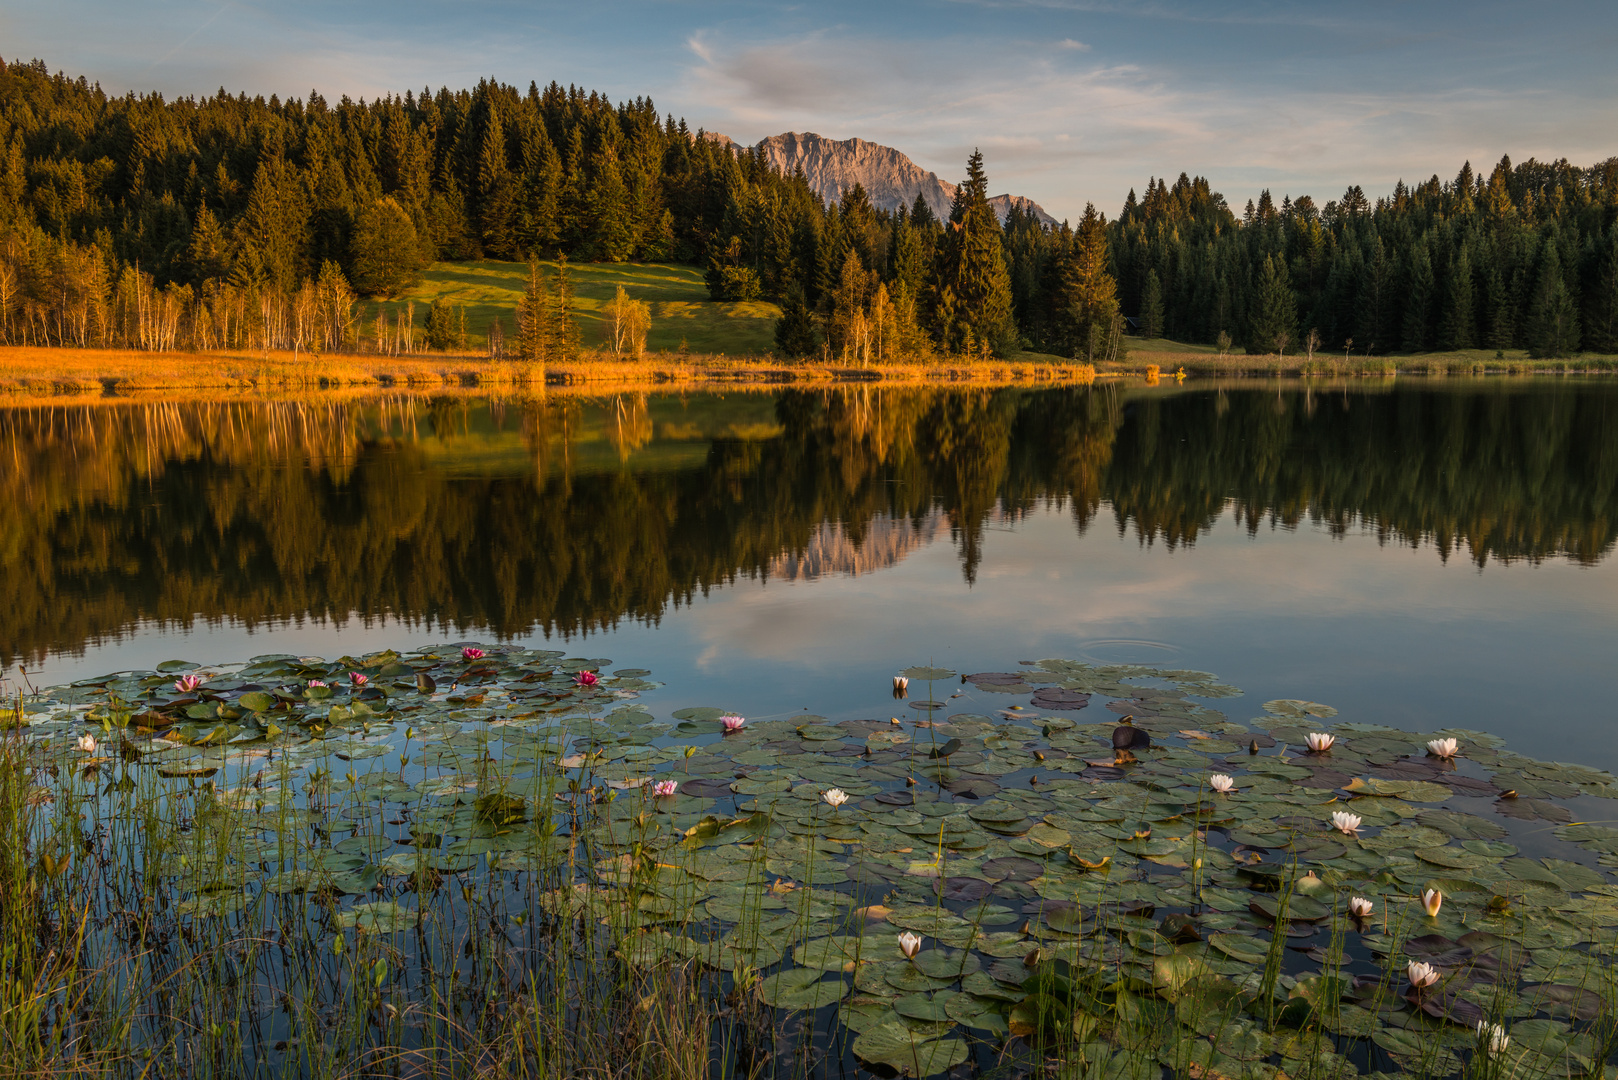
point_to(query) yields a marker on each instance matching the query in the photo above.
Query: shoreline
(53, 373)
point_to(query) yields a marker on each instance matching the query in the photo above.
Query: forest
(231, 222)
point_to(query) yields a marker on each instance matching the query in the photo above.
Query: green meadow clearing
(682, 314)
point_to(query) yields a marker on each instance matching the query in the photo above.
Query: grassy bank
(1170, 357)
(46, 372)
(682, 314)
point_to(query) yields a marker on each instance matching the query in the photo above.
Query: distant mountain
(890, 178)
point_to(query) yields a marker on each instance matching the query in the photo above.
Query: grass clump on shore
(469, 862)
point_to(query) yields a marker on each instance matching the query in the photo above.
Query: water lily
(1444, 748)
(586, 678)
(664, 789)
(358, 678)
(901, 683)
(910, 944)
(1345, 823)
(1432, 900)
(1422, 975)
(1319, 742)
(1493, 1037)
(315, 682)
(1360, 907)
(1221, 783)
(732, 723)
(470, 653)
(187, 684)
(834, 797)
(87, 743)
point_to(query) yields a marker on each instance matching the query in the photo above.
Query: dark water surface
(1421, 553)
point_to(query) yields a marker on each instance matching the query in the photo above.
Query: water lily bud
(1432, 900)
(910, 944)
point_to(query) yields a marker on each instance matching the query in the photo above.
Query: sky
(1071, 101)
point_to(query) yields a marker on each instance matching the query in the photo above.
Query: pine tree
(1553, 320)
(1151, 307)
(533, 317)
(1456, 332)
(1601, 320)
(1082, 299)
(971, 269)
(386, 254)
(562, 328)
(1419, 288)
(795, 330)
(1273, 324)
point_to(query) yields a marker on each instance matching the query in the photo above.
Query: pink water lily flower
(187, 684)
(1319, 742)
(358, 678)
(586, 678)
(664, 789)
(470, 653)
(314, 683)
(732, 723)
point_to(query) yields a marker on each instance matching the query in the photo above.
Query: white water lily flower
(1422, 975)
(1221, 783)
(1345, 823)
(1493, 1037)
(87, 743)
(1360, 907)
(901, 683)
(834, 797)
(1319, 742)
(1432, 900)
(910, 944)
(1444, 748)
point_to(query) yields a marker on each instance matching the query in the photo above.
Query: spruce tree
(1456, 332)
(1273, 323)
(562, 328)
(795, 329)
(971, 269)
(1151, 307)
(533, 317)
(1083, 297)
(1601, 320)
(1553, 319)
(1419, 288)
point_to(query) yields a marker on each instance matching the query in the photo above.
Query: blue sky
(1070, 100)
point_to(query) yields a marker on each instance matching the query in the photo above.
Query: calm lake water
(1419, 553)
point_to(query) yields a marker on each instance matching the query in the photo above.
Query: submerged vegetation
(470, 861)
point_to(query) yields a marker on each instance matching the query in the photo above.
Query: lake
(1419, 553)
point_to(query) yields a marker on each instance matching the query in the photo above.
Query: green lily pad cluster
(1073, 893)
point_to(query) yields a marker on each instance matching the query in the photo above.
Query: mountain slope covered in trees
(230, 221)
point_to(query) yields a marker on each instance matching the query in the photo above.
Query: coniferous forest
(231, 222)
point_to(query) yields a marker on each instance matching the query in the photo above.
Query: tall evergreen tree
(1273, 325)
(972, 307)
(1151, 307)
(1553, 319)
(1456, 330)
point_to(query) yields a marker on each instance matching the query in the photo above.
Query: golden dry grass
(35, 373)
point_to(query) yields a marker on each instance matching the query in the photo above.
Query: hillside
(682, 313)
(889, 177)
